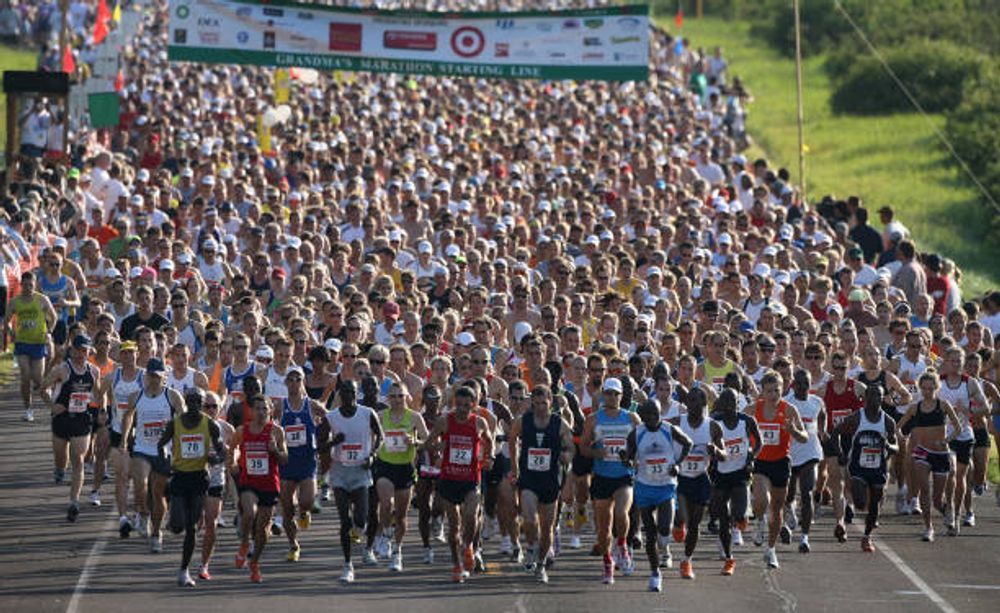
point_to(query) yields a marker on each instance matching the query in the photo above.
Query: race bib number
(460, 455)
(396, 441)
(350, 454)
(693, 465)
(539, 459)
(656, 469)
(736, 448)
(429, 471)
(612, 447)
(871, 457)
(192, 446)
(152, 431)
(257, 463)
(295, 435)
(237, 396)
(78, 402)
(839, 416)
(770, 434)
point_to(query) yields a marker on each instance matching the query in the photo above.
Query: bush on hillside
(935, 72)
(974, 129)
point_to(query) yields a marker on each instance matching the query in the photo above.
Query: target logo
(468, 41)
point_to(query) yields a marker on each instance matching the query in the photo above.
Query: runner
(652, 447)
(196, 442)
(35, 317)
(299, 416)
(604, 435)
(541, 440)
(394, 472)
(778, 422)
(217, 476)
(842, 398)
(116, 390)
(258, 448)
(805, 456)
(466, 446)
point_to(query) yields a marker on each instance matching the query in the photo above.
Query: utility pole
(63, 41)
(798, 88)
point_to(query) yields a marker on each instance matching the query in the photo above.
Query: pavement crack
(788, 600)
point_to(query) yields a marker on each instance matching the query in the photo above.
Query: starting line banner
(608, 44)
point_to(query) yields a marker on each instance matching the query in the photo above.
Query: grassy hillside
(12, 59)
(894, 160)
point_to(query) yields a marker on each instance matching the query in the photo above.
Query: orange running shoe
(255, 572)
(729, 567)
(204, 574)
(457, 574)
(687, 571)
(680, 533)
(241, 555)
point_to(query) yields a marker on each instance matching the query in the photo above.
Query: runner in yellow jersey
(34, 317)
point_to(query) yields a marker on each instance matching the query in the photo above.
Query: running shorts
(777, 471)
(697, 490)
(962, 450)
(981, 437)
(455, 492)
(652, 496)
(68, 425)
(938, 461)
(401, 475)
(34, 351)
(264, 499)
(604, 488)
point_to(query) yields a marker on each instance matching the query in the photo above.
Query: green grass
(12, 59)
(993, 467)
(894, 160)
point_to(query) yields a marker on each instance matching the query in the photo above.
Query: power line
(944, 139)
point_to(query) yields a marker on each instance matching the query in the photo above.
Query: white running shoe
(95, 498)
(397, 561)
(529, 560)
(506, 547)
(758, 535)
(383, 546)
(574, 541)
(220, 521)
(348, 575)
(970, 520)
(369, 558)
(928, 535)
(541, 574)
(428, 555)
(737, 537)
(184, 578)
(628, 564)
(437, 529)
(29, 416)
(156, 544)
(771, 557)
(655, 582)
(666, 558)
(791, 519)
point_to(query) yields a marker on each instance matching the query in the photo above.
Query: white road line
(915, 579)
(962, 586)
(89, 565)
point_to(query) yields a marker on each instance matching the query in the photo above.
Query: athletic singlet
(610, 434)
(695, 464)
(77, 391)
(56, 292)
(909, 372)
(538, 457)
(840, 405)
(774, 436)
(960, 400)
(928, 419)
(819, 384)
(716, 375)
(460, 461)
(868, 447)
(31, 325)
(190, 445)
(217, 472)
(152, 413)
(121, 391)
(95, 275)
(397, 448)
(274, 385)
(234, 382)
(880, 382)
(753, 310)
(357, 429)
(809, 412)
(187, 336)
(300, 436)
(183, 384)
(258, 466)
(212, 273)
(654, 456)
(737, 444)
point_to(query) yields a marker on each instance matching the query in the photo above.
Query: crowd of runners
(551, 315)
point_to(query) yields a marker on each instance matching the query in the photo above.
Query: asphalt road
(48, 564)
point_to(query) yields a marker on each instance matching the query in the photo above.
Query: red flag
(679, 17)
(68, 63)
(119, 81)
(101, 23)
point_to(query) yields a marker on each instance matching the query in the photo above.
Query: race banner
(607, 44)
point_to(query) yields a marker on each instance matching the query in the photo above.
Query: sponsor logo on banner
(208, 22)
(413, 41)
(505, 24)
(593, 24)
(183, 11)
(468, 41)
(269, 40)
(557, 54)
(627, 57)
(304, 43)
(501, 50)
(621, 40)
(242, 37)
(305, 16)
(592, 41)
(629, 23)
(180, 36)
(593, 56)
(208, 38)
(345, 37)
(545, 26)
(270, 11)
(571, 24)
(244, 11)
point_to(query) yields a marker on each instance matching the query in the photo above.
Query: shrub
(935, 72)
(974, 129)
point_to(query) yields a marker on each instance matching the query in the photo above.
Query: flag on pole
(101, 23)
(68, 63)
(679, 17)
(116, 16)
(120, 81)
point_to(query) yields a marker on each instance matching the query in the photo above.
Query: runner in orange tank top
(778, 422)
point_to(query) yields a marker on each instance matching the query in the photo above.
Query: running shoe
(241, 555)
(866, 545)
(428, 555)
(59, 476)
(506, 547)
(804, 544)
(737, 537)
(541, 574)
(655, 582)
(969, 520)
(680, 532)
(369, 558)
(184, 578)
(457, 574)
(529, 560)
(72, 512)
(397, 561)
(915, 508)
(325, 493)
(928, 535)
(786, 535)
(840, 533)
(255, 573)
(628, 565)
(979, 489)
(848, 514)
(124, 527)
(203, 573)
(293, 553)
(304, 520)
(29, 416)
(687, 571)
(277, 526)
(156, 543)
(468, 557)
(758, 535)
(574, 541)
(729, 567)
(712, 526)
(608, 577)
(771, 558)
(95, 498)
(478, 565)
(791, 518)
(666, 558)
(348, 575)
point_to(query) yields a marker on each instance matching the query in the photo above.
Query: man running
(299, 415)
(217, 475)
(842, 397)
(34, 317)
(118, 388)
(805, 456)
(196, 442)
(541, 441)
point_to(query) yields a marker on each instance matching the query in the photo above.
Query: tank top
(961, 400)
(217, 472)
(819, 384)
(31, 325)
(868, 447)
(258, 466)
(234, 382)
(928, 419)
(398, 447)
(610, 434)
(183, 384)
(95, 275)
(212, 273)
(274, 386)
(357, 429)
(55, 291)
(909, 372)
(190, 445)
(840, 406)
(737, 443)
(808, 410)
(654, 456)
(880, 382)
(460, 461)
(121, 391)
(773, 436)
(187, 336)
(152, 413)
(695, 464)
(716, 375)
(538, 458)
(77, 391)
(300, 435)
